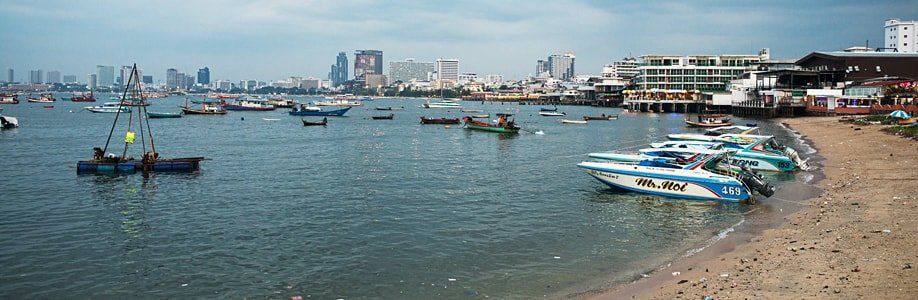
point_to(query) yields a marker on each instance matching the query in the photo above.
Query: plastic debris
(557, 257)
(724, 275)
(676, 273)
(451, 279)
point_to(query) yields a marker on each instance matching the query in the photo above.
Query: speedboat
(762, 152)
(669, 154)
(109, 107)
(441, 104)
(565, 121)
(8, 122)
(707, 178)
(710, 134)
(551, 114)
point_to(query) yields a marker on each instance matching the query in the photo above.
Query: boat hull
(152, 115)
(667, 182)
(330, 113)
(439, 121)
(130, 167)
(493, 128)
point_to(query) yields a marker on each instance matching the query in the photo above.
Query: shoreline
(819, 248)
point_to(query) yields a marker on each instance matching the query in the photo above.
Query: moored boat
(759, 152)
(162, 115)
(565, 121)
(109, 107)
(551, 114)
(42, 98)
(481, 116)
(503, 125)
(602, 117)
(206, 109)
(9, 99)
(426, 120)
(83, 97)
(280, 102)
(548, 109)
(248, 105)
(707, 178)
(471, 110)
(320, 112)
(386, 117)
(710, 121)
(324, 122)
(441, 104)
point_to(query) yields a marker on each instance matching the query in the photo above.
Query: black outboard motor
(756, 182)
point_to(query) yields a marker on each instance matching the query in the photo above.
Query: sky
(274, 39)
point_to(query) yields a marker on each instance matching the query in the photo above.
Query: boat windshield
(718, 165)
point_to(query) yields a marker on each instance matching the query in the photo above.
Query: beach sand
(857, 239)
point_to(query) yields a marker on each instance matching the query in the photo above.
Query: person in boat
(501, 120)
(97, 153)
(324, 119)
(293, 109)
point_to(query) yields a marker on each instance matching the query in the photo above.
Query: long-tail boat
(503, 124)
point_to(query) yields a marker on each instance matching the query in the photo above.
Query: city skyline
(270, 40)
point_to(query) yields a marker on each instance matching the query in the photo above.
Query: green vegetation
(905, 131)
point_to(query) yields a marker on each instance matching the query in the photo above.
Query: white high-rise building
(900, 35)
(625, 69)
(495, 78)
(694, 72)
(562, 66)
(53, 77)
(409, 69)
(448, 69)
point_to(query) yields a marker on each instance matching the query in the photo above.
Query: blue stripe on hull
(680, 196)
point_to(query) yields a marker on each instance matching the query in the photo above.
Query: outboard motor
(756, 182)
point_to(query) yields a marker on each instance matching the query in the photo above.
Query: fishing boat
(551, 114)
(280, 102)
(387, 117)
(9, 99)
(471, 110)
(42, 98)
(8, 122)
(324, 122)
(710, 121)
(340, 100)
(110, 163)
(565, 121)
(548, 109)
(83, 97)
(426, 120)
(706, 178)
(503, 125)
(441, 104)
(162, 115)
(249, 104)
(759, 152)
(320, 112)
(481, 116)
(602, 117)
(109, 107)
(206, 109)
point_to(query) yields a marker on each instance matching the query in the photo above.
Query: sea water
(360, 208)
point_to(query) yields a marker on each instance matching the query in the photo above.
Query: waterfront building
(204, 76)
(465, 78)
(409, 70)
(53, 77)
(693, 72)
(836, 68)
(92, 81)
(448, 69)
(223, 85)
(367, 62)
(543, 68)
(625, 69)
(9, 76)
(171, 79)
(495, 78)
(35, 76)
(105, 75)
(901, 35)
(562, 66)
(338, 73)
(376, 80)
(70, 79)
(310, 83)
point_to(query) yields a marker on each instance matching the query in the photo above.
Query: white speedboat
(671, 155)
(109, 107)
(759, 152)
(565, 121)
(710, 134)
(441, 104)
(8, 122)
(707, 178)
(551, 113)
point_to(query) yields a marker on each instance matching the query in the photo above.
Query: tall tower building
(53, 77)
(340, 68)
(562, 66)
(409, 70)
(204, 76)
(92, 81)
(9, 75)
(171, 79)
(105, 75)
(542, 66)
(900, 35)
(367, 62)
(35, 76)
(448, 69)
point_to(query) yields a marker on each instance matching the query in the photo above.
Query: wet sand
(852, 233)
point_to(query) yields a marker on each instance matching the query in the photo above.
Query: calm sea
(361, 208)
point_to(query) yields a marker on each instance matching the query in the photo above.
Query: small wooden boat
(83, 97)
(564, 121)
(551, 114)
(388, 117)
(426, 120)
(324, 122)
(548, 109)
(481, 116)
(9, 99)
(602, 117)
(48, 106)
(206, 109)
(471, 110)
(503, 125)
(161, 115)
(43, 98)
(109, 107)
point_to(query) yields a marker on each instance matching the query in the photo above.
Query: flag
(129, 137)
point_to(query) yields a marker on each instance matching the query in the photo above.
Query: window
(904, 44)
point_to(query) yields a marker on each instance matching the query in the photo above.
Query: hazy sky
(274, 39)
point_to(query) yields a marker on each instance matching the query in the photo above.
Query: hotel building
(900, 35)
(693, 72)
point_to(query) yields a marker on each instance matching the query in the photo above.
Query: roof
(858, 54)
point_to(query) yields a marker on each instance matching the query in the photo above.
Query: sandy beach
(857, 239)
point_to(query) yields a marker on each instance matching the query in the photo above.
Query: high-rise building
(542, 68)
(562, 66)
(35, 76)
(92, 81)
(105, 75)
(70, 79)
(376, 80)
(338, 73)
(171, 79)
(9, 76)
(448, 69)
(625, 69)
(148, 79)
(495, 78)
(124, 75)
(367, 62)
(900, 35)
(409, 69)
(204, 76)
(180, 80)
(53, 77)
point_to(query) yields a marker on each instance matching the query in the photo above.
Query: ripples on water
(360, 209)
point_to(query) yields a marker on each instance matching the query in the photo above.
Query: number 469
(727, 190)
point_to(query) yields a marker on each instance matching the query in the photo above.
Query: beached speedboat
(710, 134)
(707, 178)
(109, 107)
(678, 155)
